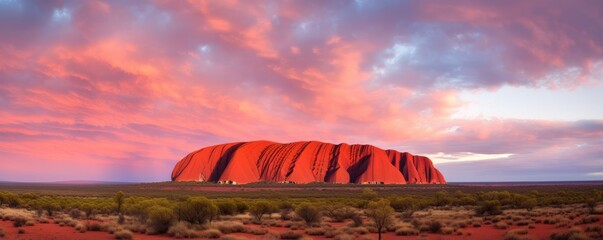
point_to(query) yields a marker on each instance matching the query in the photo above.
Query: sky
(122, 90)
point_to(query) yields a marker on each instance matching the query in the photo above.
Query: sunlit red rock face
(304, 162)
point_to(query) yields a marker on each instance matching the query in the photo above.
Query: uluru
(304, 162)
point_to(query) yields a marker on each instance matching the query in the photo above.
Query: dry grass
(406, 231)
(211, 233)
(19, 221)
(257, 231)
(518, 231)
(81, 227)
(594, 231)
(355, 230)
(182, 230)
(123, 234)
(138, 227)
(516, 237)
(110, 227)
(290, 235)
(94, 226)
(501, 225)
(460, 224)
(594, 228)
(574, 234)
(331, 233)
(447, 230)
(65, 220)
(270, 222)
(562, 224)
(588, 220)
(229, 237)
(227, 227)
(345, 236)
(294, 225)
(20, 217)
(316, 231)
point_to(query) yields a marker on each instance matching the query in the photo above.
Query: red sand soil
(304, 162)
(50, 231)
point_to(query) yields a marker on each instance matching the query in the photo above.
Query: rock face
(304, 162)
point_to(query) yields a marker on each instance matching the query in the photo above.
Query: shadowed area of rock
(304, 162)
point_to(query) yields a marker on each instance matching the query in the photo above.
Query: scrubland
(357, 212)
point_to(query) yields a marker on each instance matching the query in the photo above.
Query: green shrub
(74, 213)
(489, 207)
(227, 207)
(368, 194)
(161, 218)
(242, 206)
(357, 220)
(339, 212)
(285, 208)
(88, 210)
(119, 202)
(12, 200)
(441, 198)
(197, 210)
(381, 213)
(260, 208)
(529, 203)
(402, 204)
(50, 206)
(308, 213)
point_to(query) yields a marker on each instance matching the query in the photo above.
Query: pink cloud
(137, 85)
